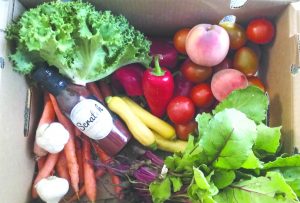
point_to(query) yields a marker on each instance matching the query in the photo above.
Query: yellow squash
(153, 122)
(169, 145)
(138, 129)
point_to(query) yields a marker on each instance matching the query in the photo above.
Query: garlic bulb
(52, 189)
(52, 137)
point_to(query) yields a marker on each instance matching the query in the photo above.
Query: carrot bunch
(74, 163)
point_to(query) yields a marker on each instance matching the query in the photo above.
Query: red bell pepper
(158, 87)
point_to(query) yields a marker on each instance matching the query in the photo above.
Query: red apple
(207, 45)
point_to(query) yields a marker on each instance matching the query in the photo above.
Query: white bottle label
(92, 118)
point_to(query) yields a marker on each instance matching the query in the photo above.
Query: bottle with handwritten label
(88, 114)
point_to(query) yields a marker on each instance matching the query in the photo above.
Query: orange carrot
(94, 89)
(69, 148)
(77, 132)
(114, 178)
(104, 88)
(41, 162)
(102, 155)
(78, 146)
(48, 116)
(45, 171)
(75, 196)
(99, 173)
(88, 171)
(116, 183)
(61, 167)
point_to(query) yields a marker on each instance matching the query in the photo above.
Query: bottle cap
(49, 79)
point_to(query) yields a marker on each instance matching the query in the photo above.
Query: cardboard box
(279, 70)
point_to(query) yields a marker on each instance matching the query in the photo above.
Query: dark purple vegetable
(130, 77)
(145, 174)
(168, 53)
(116, 85)
(182, 85)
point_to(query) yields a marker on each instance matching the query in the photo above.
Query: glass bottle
(88, 114)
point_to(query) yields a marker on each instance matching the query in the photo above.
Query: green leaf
(203, 121)
(268, 139)
(160, 190)
(292, 177)
(185, 161)
(200, 179)
(202, 188)
(227, 142)
(252, 162)
(291, 161)
(176, 183)
(269, 189)
(251, 101)
(223, 178)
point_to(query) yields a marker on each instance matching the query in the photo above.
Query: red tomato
(202, 95)
(179, 40)
(195, 73)
(183, 130)
(181, 110)
(253, 80)
(260, 31)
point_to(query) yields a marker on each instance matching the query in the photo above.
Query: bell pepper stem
(157, 69)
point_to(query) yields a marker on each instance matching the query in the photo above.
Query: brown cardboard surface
(155, 17)
(158, 17)
(17, 166)
(282, 85)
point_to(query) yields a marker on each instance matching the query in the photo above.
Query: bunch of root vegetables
(72, 162)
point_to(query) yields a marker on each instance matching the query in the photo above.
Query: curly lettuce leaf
(228, 139)
(251, 101)
(84, 44)
(269, 189)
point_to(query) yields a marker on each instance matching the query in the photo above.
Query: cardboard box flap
(17, 166)
(157, 17)
(283, 55)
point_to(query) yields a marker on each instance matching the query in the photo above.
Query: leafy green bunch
(84, 44)
(235, 159)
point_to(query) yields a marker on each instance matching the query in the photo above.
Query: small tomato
(184, 130)
(179, 40)
(260, 31)
(195, 73)
(181, 110)
(202, 95)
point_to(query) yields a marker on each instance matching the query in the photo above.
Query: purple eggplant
(182, 85)
(130, 78)
(166, 50)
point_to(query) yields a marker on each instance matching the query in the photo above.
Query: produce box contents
(177, 119)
